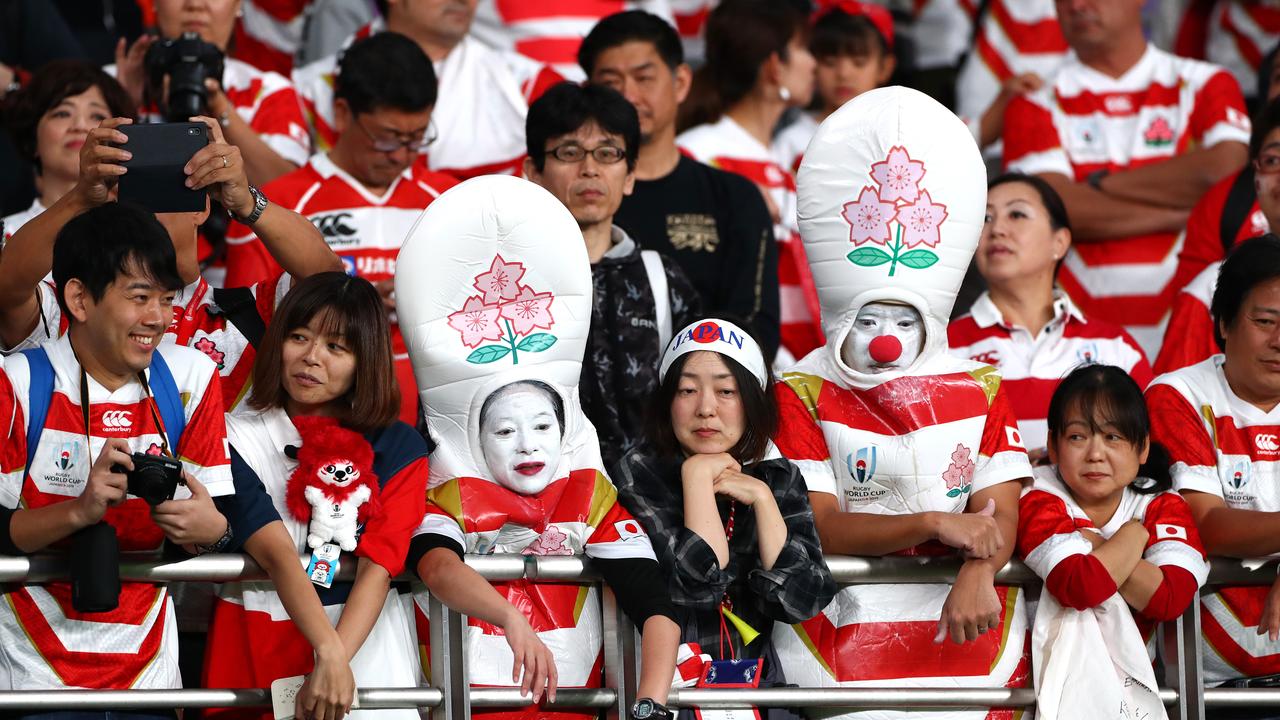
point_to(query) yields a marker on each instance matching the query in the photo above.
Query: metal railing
(450, 697)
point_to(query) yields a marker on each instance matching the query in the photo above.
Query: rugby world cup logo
(896, 214)
(862, 464)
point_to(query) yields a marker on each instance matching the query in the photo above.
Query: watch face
(643, 709)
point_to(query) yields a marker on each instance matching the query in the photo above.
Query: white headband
(719, 336)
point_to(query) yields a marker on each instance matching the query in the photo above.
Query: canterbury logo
(117, 419)
(1266, 443)
(334, 226)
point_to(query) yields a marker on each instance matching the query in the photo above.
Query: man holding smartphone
(223, 324)
(76, 408)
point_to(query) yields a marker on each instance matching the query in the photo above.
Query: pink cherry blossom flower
(477, 322)
(899, 176)
(868, 218)
(961, 469)
(529, 310)
(550, 542)
(921, 220)
(502, 282)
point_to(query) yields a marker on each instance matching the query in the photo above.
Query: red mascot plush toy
(333, 487)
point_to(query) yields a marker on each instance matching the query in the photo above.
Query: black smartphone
(155, 179)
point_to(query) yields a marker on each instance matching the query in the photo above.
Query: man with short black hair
(582, 144)
(363, 194)
(713, 223)
(76, 407)
(1220, 423)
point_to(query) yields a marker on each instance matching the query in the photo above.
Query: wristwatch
(646, 709)
(259, 204)
(217, 545)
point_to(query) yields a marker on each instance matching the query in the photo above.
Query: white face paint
(884, 337)
(520, 440)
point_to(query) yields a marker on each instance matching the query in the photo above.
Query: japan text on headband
(719, 336)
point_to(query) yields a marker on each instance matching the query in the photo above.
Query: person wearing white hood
(905, 449)
(496, 293)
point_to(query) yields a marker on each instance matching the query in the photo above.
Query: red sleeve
(1173, 596)
(1028, 128)
(1001, 431)
(401, 504)
(13, 443)
(1188, 339)
(799, 436)
(1179, 428)
(1219, 101)
(1080, 582)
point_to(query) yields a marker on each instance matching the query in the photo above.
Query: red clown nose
(885, 349)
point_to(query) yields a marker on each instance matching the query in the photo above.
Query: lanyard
(726, 604)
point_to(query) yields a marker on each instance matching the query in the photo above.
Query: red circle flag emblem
(707, 332)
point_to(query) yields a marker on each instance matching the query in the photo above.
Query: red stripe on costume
(1033, 38)
(890, 650)
(113, 671)
(916, 402)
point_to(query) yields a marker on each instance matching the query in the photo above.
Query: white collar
(985, 313)
(327, 169)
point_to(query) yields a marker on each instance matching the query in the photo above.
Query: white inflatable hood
(493, 285)
(892, 194)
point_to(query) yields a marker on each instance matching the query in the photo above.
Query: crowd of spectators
(1134, 151)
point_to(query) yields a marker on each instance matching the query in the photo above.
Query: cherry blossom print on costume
(900, 208)
(507, 311)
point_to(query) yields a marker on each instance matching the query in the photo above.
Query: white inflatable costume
(494, 287)
(891, 201)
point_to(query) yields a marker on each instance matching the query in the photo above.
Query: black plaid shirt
(794, 590)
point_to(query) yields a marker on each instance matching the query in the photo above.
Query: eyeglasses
(603, 154)
(389, 145)
(1268, 163)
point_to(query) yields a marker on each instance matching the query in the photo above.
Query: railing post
(448, 664)
(1182, 668)
(621, 654)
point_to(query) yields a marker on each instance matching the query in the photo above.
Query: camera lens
(193, 131)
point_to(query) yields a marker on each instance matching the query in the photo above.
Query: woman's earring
(784, 93)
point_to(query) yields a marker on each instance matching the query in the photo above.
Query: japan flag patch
(628, 529)
(1164, 532)
(1013, 437)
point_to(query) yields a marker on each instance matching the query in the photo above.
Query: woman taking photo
(324, 436)
(758, 65)
(50, 118)
(728, 516)
(1024, 324)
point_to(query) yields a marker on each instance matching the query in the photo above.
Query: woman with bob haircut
(1024, 324)
(322, 433)
(729, 516)
(49, 119)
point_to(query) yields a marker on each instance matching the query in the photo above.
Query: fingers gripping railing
(450, 696)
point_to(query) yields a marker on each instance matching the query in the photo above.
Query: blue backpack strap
(168, 400)
(39, 396)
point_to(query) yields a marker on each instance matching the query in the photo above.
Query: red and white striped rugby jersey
(1228, 448)
(198, 323)
(1189, 337)
(44, 642)
(1085, 121)
(365, 231)
(484, 95)
(1014, 37)
(268, 33)
(1202, 245)
(550, 31)
(1240, 34)
(1050, 541)
(576, 515)
(1032, 367)
(727, 145)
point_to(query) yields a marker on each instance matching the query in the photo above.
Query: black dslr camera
(188, 61)
(154, 478)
